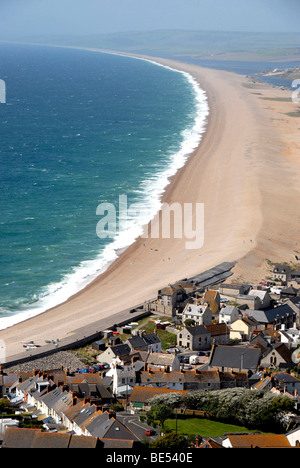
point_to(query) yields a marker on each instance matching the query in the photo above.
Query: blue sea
(78, 129)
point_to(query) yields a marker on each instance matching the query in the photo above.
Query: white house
(291, 337)
(124, 377)
(201, 314)
(228, 315)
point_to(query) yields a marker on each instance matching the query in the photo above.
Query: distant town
(159, 381)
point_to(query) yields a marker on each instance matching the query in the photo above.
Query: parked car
(224, 299)
(83, 371)
(150, 432)
(173, 350)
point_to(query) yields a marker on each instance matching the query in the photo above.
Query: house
(264, 384)
(75, 415)
(273, 318)
(243, 328)
(53, 403)
(228, 314)
(185, 380)
(137, 343)
(294, 437)
(18, 438)
(220, 333)
(102, 424)
(294, 304)
(153, 342)
(212, 298)
(124, 377)
(171, 299)
(194, 338)
(234, 289)
(26, 390)
(252, 302)
(163, 360)
(200, 314)
(282, 273)
(290, 337)
(207, 443)
(8, 379)
(121, 351)
(295, 276)
(236, 358)
(264, 297)
(256, 441)
(288, 292)
(143, 342)
(287, 383)
(278, 356)
(7, 422)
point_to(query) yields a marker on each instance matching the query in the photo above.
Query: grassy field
(203, 427)
(167, 339)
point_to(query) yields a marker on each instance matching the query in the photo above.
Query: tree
(162, 413)
(189, 323)
(5, 406)
(170, 441)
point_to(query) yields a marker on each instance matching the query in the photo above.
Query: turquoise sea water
(78, 129)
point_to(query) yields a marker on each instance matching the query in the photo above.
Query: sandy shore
(245, 171)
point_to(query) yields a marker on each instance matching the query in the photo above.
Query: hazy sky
(30, 17)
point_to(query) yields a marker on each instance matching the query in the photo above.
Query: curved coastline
(226, 173)
(88, 271)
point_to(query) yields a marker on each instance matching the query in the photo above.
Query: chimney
(74, 399)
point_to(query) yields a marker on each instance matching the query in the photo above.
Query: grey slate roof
(235, 357)
(121, 349)
(282, 269)
(152, 338)
(58, 400)
(104, 426)
(199, 330)
(270, 316)
(228, 310)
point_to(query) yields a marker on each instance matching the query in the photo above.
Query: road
(133, 423)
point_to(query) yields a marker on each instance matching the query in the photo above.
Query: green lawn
(167, 339)
(203, 427)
